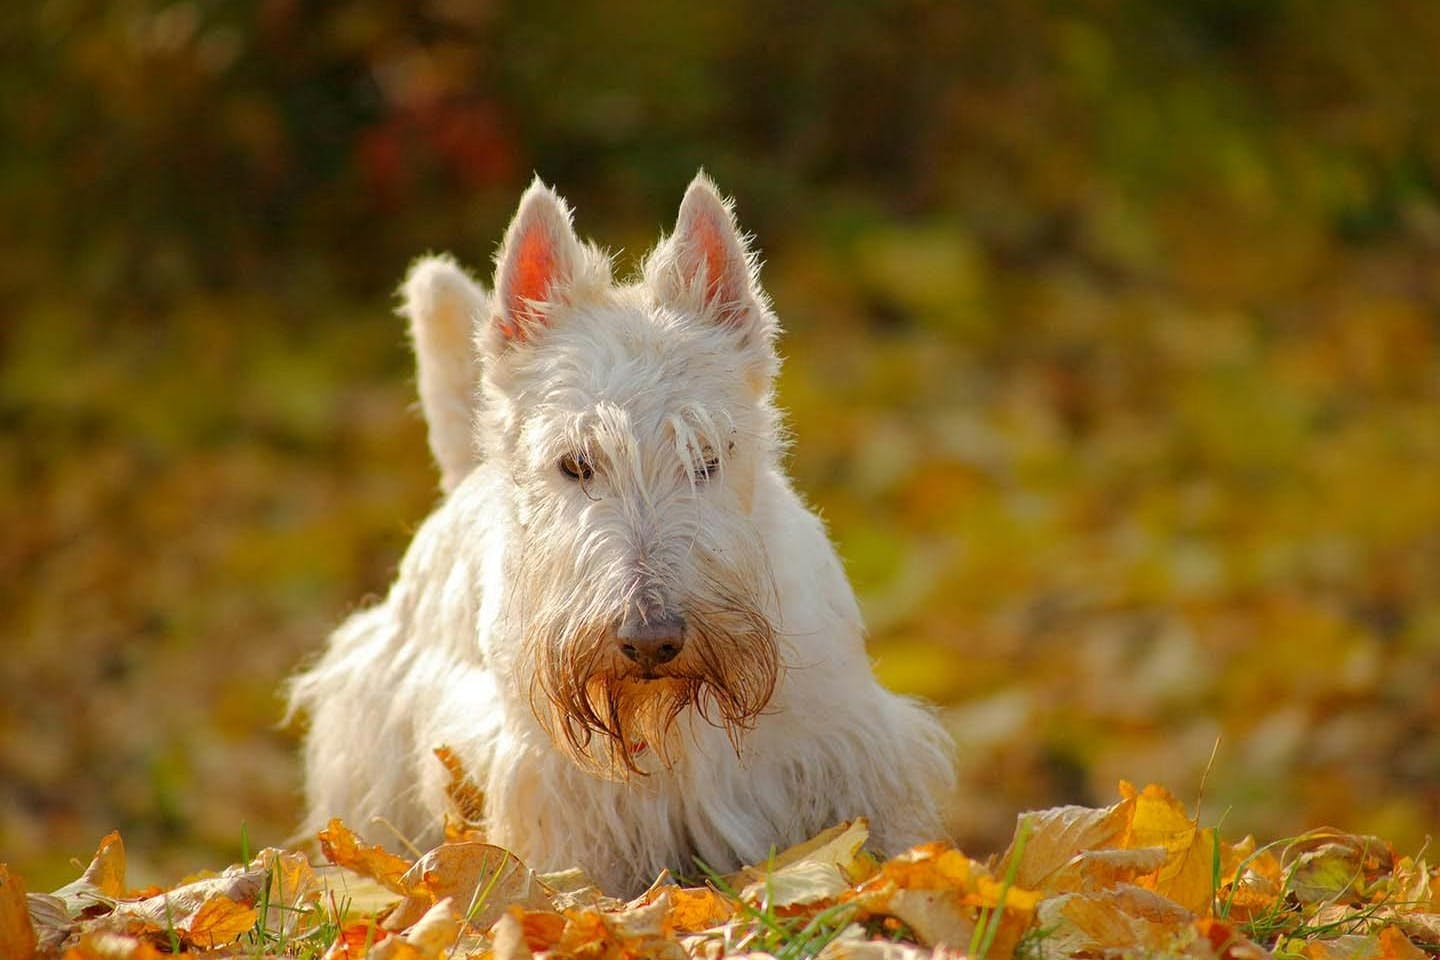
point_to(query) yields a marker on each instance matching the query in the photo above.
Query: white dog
(621, 619)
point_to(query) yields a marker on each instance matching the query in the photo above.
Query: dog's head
(635, 422)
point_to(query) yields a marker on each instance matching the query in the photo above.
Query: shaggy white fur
(621, 618)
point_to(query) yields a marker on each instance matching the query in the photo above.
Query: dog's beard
(605, 714)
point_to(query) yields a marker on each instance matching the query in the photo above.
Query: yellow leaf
(1187, 875)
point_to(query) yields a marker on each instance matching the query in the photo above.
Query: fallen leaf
(355, 939)
(103, 880)
(812, 872)
(939, 893)
(217, 921)
(1057, 836)
(292, 885)
(17, 932)
(1329, 865)
(840, 845)
(542, 928)
(109, 945)
(344, 848)
(1126, 921)
(797, 885)
(508, 939)
(1227, 942)
(859, 948)
(206, 912)
(693, 909)
(1187, 875)
(481, 878)
(52, 921)
(1251, 880)
(1350, 946)
(1094, 870)
(465, 796)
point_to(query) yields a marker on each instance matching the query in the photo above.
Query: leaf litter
(1138, 878)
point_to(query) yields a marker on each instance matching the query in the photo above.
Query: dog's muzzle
(650, 640)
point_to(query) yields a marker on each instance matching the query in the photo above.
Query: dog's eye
(576, 467)
(710, 463)
(707, 467)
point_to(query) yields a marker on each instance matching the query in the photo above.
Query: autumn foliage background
(1112, 358)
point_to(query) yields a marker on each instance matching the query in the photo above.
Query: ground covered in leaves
(1138, 878)
(1112, 362)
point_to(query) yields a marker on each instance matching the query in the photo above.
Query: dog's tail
(442, 303)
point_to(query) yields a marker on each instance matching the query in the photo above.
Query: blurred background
(1112, 355)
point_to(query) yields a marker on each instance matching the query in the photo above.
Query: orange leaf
(109, 945)
(467, 797)
(355, 939)
(542, 929)
(218, 921)
(17, 933)
(103, 880)
(694, 909)
(344, 848)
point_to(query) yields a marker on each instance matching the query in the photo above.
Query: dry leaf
(109, 945)
(344, 848)
(1227, 943)
(293, 884)
(693, 909)
(484, 880)
(465, 796)
(938, 893)
(53, 923)
(17, 932)
(102, 882)
(1160, 821)
(1251, 881)
(1329, 866)
(859, 948)
(355, 939)
(206, 913)
(1057, 836)
(1125, 921)
(1094, 870)
(816, 871)
(508, 938)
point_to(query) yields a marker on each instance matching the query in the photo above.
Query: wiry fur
(498, 638)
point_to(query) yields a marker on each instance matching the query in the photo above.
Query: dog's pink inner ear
(534, 268)
(710, 244)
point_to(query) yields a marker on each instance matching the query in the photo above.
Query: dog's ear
(706, 264)
(442, 304)
(540, 253)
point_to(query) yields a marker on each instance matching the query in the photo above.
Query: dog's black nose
(653, 640)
